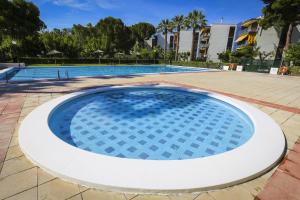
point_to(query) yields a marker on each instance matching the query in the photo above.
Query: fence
(249, 65)
(110, 61)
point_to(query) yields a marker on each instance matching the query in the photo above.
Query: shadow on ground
(54, 86)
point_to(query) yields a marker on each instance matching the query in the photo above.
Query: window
(230, 38)
(154, 41)
(171, 42)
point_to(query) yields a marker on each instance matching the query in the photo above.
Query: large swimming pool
(35, 73)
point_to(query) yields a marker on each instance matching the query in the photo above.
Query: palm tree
(178, 23)
(195, 20)
(164, 26)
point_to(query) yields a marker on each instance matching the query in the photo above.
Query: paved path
(278, 96)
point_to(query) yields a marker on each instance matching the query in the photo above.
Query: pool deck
(278, 96)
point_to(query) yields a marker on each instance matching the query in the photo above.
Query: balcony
(203, 46)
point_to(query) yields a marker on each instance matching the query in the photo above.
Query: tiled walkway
(278, 96)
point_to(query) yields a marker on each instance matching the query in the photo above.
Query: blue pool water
(33, 73)
(151, 123)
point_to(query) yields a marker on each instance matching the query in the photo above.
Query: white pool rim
(259, 154)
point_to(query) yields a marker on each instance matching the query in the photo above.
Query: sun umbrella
(53, 53)
(119, 55)
(99, 52)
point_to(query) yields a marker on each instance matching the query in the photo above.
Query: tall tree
(19, 25)
(195, 20)
(178, 23)
(142, 31)
(19, 18)
(284, 14)
(165, 26)
(115, 36)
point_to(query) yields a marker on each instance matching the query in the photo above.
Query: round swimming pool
(151, 139)
(152, 124)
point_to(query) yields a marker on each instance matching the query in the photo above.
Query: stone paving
(278, 96)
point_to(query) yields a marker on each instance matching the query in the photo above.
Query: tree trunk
(280, 47)
(177, 46)
(166, 43)
(288, 36)
(193, 46)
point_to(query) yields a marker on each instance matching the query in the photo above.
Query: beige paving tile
(17, 183)
(183, 196)
(268, 110)
(255, 186)
(291, 134)
(83, 188)
(151, 197)
(236, 192)
(101, 195)
(204, 196)
(77, 197)
(30, 194)
(57, 189)
(14, 141)
(130, 196)
(293, 123)
(13, 152)
(15, 165)
(281, 116)
(44, 176)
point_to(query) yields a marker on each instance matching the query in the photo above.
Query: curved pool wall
(151, 123)
(37, 73)
(262, 151)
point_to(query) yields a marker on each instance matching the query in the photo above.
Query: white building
(217, 38)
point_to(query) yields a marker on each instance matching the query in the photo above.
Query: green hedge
(198, 64)
(294, 71)
(109, 61)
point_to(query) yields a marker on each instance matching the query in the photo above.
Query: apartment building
(250, 33)
(217, 38)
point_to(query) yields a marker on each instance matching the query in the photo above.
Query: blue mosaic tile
(132, 149)
(166, 154)
(162, 141)
(194, 145)
(210, 151)
(92, 137)
(174, 146)
(142, 142)
(153, 147)
(188, 152)
(181, 140)
(151, 136)
(100, 143)
(109, 150)
(143, 155)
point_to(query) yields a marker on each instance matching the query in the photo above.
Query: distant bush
(108, 61)
(294, 71)
(197, 64)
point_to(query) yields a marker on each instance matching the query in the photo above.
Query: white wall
(218, 40)
(267, 40)
(185, 43)
(296, 34)
(161, 39)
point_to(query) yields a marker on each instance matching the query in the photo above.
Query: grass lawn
(57, 65)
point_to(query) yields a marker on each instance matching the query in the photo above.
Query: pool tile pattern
(156, 124)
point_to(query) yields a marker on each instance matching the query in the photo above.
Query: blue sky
(65, 13)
